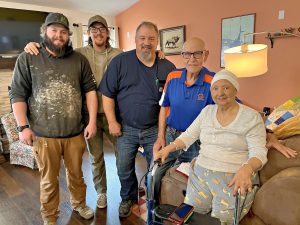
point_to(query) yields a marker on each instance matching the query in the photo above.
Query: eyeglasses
(95, 30)
(196, 55)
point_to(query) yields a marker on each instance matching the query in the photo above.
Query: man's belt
(173, 130)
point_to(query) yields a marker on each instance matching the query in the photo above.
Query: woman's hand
(242, 180)
(161, 154)
(164, 152)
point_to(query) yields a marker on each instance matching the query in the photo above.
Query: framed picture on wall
(233, 30)
(172, 39)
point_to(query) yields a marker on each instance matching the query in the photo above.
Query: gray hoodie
(53, 88)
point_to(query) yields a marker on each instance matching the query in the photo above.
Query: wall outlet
(266, 111)
(281, 14)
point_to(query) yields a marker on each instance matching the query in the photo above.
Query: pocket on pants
(36, 146)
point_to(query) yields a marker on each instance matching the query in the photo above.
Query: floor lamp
(249, 60)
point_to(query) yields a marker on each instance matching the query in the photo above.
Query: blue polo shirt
(186, 102)
(136, 88)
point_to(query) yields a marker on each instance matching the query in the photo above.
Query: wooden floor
(19, 195)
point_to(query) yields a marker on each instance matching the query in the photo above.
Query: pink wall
(203, 19)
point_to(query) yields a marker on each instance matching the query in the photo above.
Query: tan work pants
(48, 153)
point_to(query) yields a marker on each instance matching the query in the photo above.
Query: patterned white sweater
(225, 149)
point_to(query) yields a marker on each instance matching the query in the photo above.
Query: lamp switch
(281, 14)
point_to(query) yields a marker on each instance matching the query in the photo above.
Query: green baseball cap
(97, 19)
(57, 18)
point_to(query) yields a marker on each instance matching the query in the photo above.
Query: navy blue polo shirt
(136, 88)
(186, 102)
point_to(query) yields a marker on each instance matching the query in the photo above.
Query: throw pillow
(9, 125)
(284, 112)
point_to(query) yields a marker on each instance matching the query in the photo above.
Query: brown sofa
(277, 202)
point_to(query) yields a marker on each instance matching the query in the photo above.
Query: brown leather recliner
(277, 202)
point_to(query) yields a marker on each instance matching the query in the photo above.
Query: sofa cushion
(250, 219)
(277, 201)
(277, 161)
(9, 125)
(173, 187)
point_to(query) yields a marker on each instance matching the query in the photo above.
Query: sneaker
(49, 223)
(125, 208)
(85, 212)
(102, 200)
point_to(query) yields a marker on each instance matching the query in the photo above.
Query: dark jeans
(127, 148)
(176, 157)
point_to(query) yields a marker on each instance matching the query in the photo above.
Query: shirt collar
(200, 79)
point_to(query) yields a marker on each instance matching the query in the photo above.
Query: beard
(147, 55)
(58, 50)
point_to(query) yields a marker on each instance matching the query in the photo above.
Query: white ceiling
(102, 7)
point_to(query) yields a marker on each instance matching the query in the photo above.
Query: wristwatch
(21, 128)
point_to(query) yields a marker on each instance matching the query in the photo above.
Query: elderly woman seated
(233, 140)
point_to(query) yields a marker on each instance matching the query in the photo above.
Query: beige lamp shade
(247, 60)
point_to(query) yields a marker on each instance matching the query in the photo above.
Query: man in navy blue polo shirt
(131, 89)
(186, 93)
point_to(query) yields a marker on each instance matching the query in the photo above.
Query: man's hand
(90, 131)
(272, 142)
(242, 180)
(159, 144)
(32, 48)
(115, 129)
(27, 136)
(161, 54)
